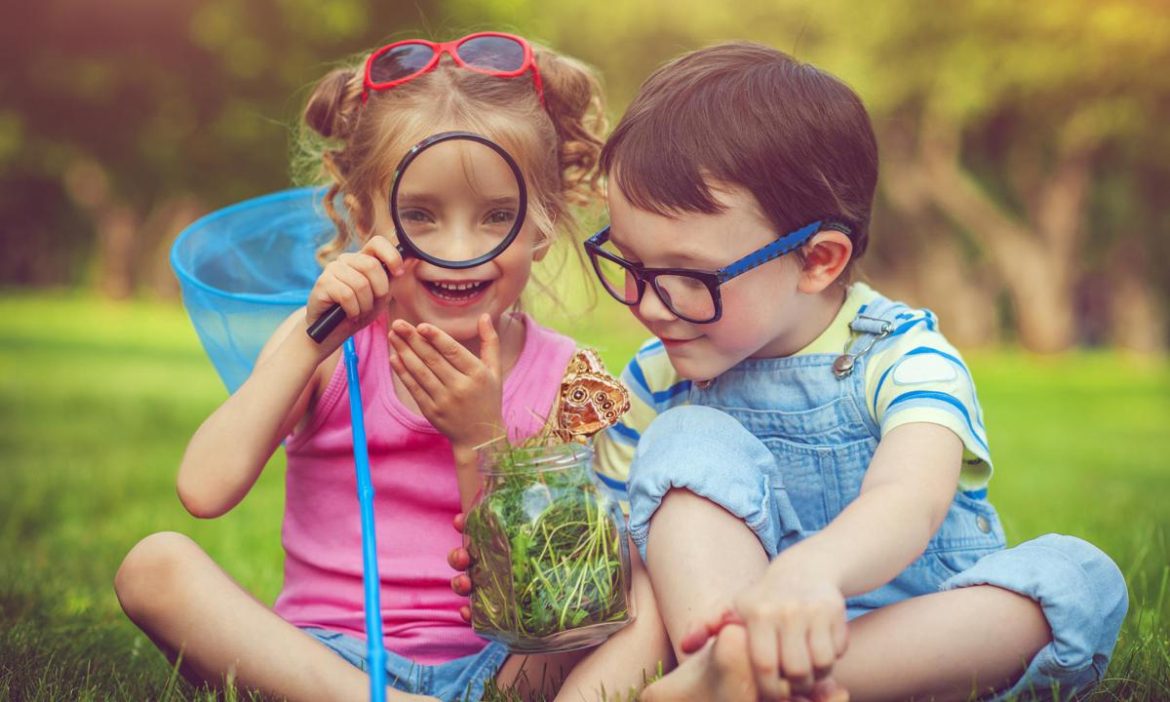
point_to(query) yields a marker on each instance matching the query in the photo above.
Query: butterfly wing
(590, 399)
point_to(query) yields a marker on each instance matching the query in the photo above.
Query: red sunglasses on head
(491, 53)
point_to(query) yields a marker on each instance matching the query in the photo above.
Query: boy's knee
(1100, 590)
(152, 568)
(694, 452)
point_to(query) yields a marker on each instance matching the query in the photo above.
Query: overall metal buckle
(844, 364)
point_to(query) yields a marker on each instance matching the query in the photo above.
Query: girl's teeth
(457, 290)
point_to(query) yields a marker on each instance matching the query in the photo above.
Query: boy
(806, 459)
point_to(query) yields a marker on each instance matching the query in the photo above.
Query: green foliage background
(1023, 144)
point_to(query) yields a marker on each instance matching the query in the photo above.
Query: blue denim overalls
(784, 443)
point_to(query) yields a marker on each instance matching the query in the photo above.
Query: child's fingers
(821, 649)
(336, 292)
(489, 344)
(765, 656)
(371, 268)
(795, 664)
(387, 254)
(411, 383)
(459, 521)
(421, 371)
(465, 613)
(839, 628)
(459, 558)
(456, 353)
(461, 585)
(436, 362)
(356, 281)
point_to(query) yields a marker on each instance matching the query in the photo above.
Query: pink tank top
(416, 496)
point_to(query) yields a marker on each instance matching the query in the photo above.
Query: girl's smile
(457, 293)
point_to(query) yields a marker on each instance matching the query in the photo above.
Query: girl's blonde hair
(355, 147)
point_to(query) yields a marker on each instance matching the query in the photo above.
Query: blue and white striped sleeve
(922, 378)
(654, 386)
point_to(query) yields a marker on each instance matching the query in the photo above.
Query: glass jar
(550, 561)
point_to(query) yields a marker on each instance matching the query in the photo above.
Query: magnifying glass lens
(457, 201)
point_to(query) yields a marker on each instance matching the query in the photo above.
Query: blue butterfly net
(243, 269)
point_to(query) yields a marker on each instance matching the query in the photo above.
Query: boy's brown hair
(747, 115)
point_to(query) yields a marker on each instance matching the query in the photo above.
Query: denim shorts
(1082, 593)
(460, 680)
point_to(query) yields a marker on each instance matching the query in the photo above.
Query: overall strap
(876, 320)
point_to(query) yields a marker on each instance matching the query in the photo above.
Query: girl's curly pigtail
(332, 113)
(573, 97)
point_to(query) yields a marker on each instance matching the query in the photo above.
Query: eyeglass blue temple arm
(775, 250)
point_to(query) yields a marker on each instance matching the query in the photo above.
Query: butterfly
(590, 399)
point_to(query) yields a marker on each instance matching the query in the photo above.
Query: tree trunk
(931, 271)
(164, 223)
(1037, 264)
(116, 225)
(1138, 319)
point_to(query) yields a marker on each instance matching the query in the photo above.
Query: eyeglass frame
(451, 48)
(711, 279)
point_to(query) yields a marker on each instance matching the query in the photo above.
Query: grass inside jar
(546, 554)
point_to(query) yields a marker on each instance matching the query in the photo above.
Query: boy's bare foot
(721, 672)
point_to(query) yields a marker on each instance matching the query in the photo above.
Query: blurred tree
(123, 119)
(1024, 180)
(1021, 141)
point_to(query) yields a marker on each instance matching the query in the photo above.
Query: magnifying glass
(458, 200)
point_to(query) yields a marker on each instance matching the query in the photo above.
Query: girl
(815, 450)
(447, 364)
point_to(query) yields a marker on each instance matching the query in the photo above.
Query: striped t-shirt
(916, 377)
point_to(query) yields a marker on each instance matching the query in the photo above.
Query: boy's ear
(826, 256)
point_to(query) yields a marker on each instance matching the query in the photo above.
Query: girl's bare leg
(176, 594)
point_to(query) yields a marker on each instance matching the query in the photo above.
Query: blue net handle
(243, 269)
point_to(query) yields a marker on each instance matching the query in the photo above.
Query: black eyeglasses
(689, 294)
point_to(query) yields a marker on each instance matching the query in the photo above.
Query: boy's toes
(719, 673)
(828, 690)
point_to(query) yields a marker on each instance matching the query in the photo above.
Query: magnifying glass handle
(326, 323)
(333, 316)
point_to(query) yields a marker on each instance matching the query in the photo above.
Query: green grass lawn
(97, 401)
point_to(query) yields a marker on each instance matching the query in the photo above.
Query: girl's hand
(458, 393)
(460, 559)
(360, 283)
(796, 630)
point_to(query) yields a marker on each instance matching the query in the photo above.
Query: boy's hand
(796, 630)
(459, 394)
(722, 673)
(360, 283)
(460, 559)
